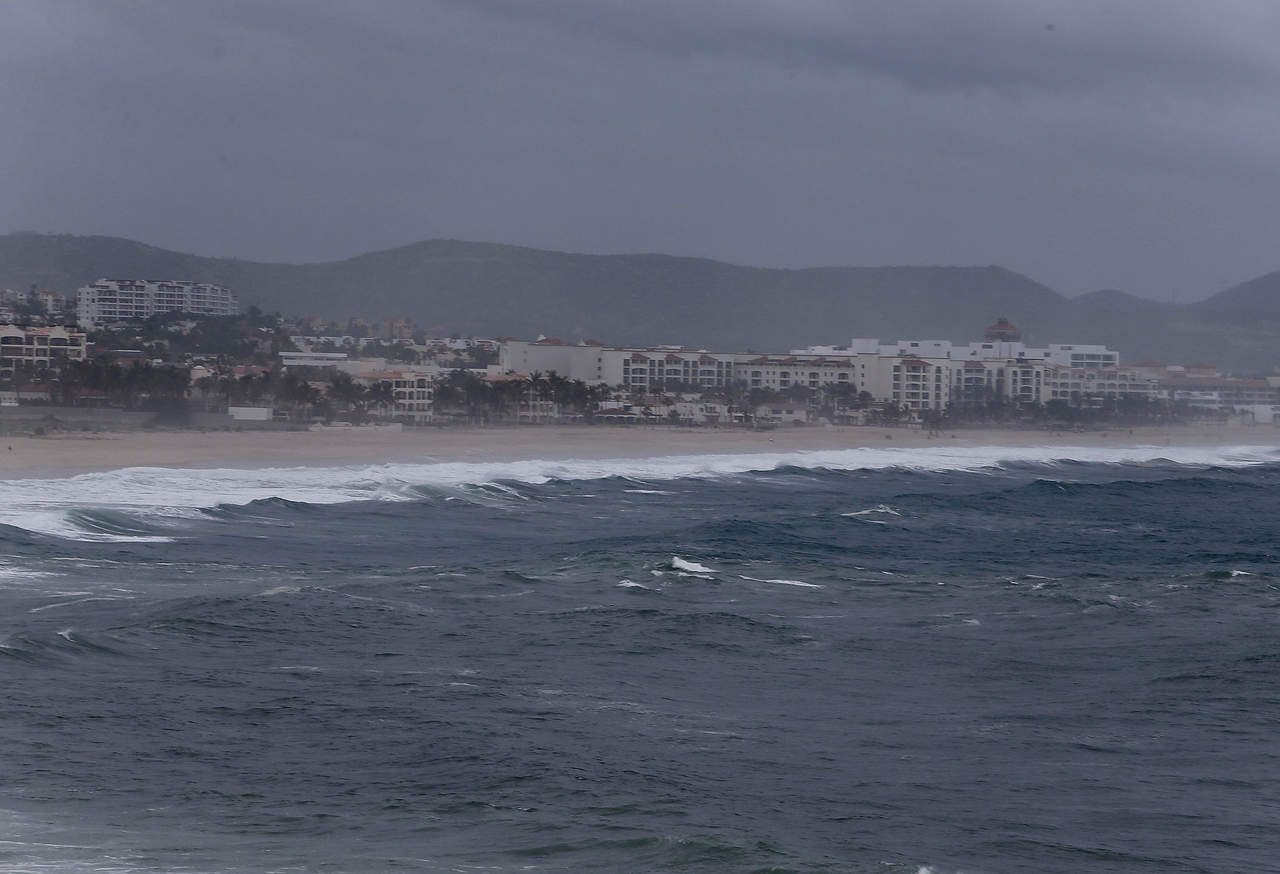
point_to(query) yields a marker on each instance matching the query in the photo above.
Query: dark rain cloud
(1011, 46)
(1087, 143)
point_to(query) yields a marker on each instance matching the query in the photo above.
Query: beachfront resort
(127, 350)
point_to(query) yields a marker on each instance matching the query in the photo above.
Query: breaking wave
(145, 503)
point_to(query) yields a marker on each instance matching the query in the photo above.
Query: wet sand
(68, 454)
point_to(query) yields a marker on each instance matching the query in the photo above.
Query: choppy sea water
(956, 660)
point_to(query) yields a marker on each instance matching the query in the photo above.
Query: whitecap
(60, 604)
(691, 567)
(174, 497)
(279, 590)
(877, 509)
(800, 583)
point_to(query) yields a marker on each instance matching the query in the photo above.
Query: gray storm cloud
(1088, 144)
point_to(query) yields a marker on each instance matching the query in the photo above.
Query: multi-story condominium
(632, 367)
(670, 366)
(116, 300)
(666, 366)
(414, 390)
(36, 348)
(1001, 340)
(920, 384)
(812, 371)
(1010, 380)
(50, 303)
(1064, 354)
(1080, 384)
(584, 361)
(916, 374)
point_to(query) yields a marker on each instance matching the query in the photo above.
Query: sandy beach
(69, 454)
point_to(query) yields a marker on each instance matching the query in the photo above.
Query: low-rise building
(1222, 393)
(31, 348)
(413, 391)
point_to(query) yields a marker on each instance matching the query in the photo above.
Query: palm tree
(298, 394)
(380, 396)
(448, 395)
(346, 393)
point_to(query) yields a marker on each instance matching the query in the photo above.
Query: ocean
(926, 661)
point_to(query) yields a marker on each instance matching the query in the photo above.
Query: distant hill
(501, 290)
(1249, 301)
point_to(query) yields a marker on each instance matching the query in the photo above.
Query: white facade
(581, 361)
(1222, 393)
(631, 367)
(659, 367)
(1064, 354)
(780, 372)
(1078, 384)
(311, 359)
(115, 300)
(250, 414)
(670, 366)
(52, 304)
(412, 388)
(36, 348)
(915, 374)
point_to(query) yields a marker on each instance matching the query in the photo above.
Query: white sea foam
(691, 567)
(876, 510)
(61, 604)
(800, 583)
(279, 590)
(164, 495)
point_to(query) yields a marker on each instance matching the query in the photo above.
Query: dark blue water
(1024, 667)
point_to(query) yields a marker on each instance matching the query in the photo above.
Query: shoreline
(69, 454)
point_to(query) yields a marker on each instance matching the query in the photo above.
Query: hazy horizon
(1086, 145)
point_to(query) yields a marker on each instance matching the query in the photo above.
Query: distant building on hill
(118, 300)
(1003, 331)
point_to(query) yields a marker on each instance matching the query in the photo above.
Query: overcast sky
(1087, 143)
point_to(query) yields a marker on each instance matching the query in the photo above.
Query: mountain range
(488, 289)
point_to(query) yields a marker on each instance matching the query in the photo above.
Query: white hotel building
(117, 300)
(916, 374)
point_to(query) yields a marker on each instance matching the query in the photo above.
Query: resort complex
(185, 347)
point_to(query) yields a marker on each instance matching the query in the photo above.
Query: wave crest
(136, 503)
